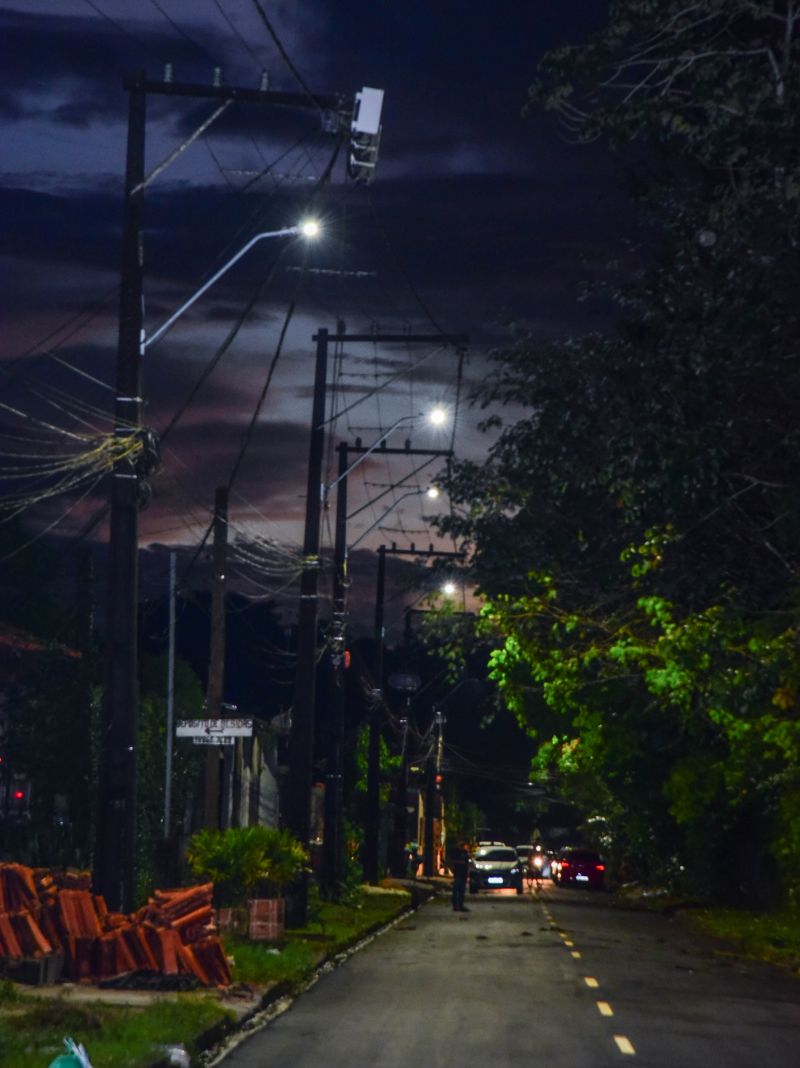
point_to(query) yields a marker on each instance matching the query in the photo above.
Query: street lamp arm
(372, 448)
(165, 326)
(380, 519)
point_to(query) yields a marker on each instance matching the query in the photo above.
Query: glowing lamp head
(438, 417)
(449, 588)
(432, 492)
(309, 228)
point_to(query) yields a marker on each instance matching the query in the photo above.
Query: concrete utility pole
(116, 810)
(301, 744)
(215, 690)
(373, 798)
(170, 699)
(333, 842)
(372, 824)
(432, 792)
(115, 839)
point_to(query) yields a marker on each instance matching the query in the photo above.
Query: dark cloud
(476, 218)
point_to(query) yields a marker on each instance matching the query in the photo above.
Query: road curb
(213, 1045)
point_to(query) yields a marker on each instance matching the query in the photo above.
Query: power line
(182, 33)
(118, 26)
(285, 55)
(242, 40)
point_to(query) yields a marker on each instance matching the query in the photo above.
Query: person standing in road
(459, 865)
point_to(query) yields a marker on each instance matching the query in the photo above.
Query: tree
(637, 533)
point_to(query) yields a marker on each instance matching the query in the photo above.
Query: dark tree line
(636, 533)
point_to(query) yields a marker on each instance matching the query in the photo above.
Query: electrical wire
(182, 33)
(284, 54)
(118, 26)
(242, 40)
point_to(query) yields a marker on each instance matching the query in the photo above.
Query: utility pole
(398, 850)
(212, 814)
(115, 838)
(113, 867)
(301, 744)
(432, 793)
(170, 699)
(333, 843)
(372, 824)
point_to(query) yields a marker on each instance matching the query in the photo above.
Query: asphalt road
(562, 979)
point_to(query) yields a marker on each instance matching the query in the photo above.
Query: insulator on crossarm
(217, 77)
(264, 81)
(168, 73)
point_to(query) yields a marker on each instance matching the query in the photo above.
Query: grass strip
(773, 937)
(32, 1028)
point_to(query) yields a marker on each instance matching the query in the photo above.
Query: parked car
(578, 867)
(495, 867)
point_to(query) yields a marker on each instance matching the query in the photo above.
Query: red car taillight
(600, 867)
(564, 863)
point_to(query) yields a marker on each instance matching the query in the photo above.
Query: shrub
(246, 862)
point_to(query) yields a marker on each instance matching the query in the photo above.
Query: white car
(495, 867)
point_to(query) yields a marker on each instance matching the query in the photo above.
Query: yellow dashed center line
(604, 1008)
(590, 981)
(568, 942)
(575, 954)
(624, 1045)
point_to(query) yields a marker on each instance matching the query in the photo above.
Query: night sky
(475, 218)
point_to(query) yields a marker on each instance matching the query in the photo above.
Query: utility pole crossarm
(324, 101)
(430, 551)
(383, 451)
(459, 340)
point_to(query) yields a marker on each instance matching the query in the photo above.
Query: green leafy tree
(636, 534)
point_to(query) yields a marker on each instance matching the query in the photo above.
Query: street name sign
(210, 728)
(213, 739)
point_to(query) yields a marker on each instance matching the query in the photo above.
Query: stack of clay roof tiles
(43, 912)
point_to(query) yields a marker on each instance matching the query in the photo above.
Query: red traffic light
(18, 795)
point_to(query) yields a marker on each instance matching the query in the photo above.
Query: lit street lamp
(309, 229)
(115, 832)
(436, 417)
(431, 492)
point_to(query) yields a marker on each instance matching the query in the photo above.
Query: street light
(309, 229)
(432, 492)
(436, 417)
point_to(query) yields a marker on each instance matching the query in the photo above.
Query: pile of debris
(52, 925)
